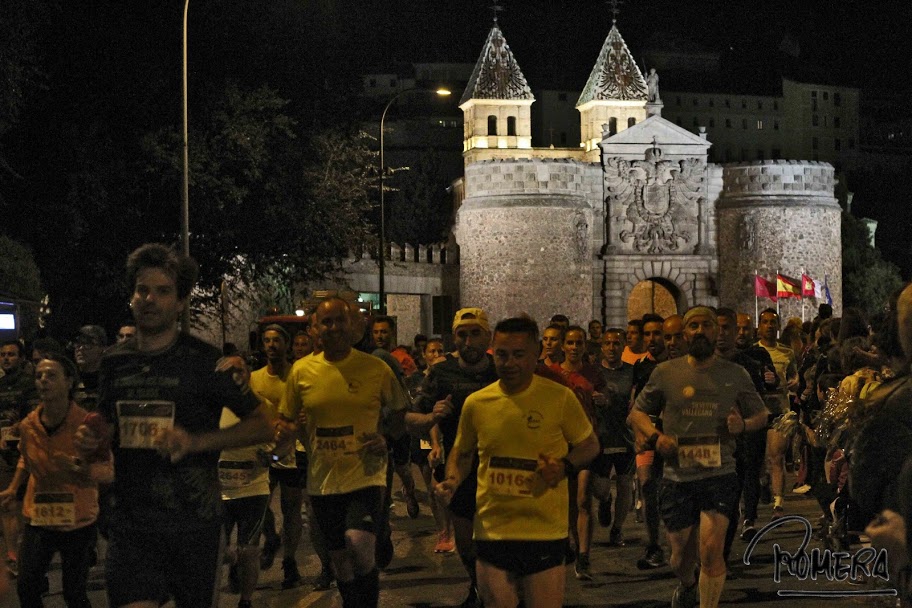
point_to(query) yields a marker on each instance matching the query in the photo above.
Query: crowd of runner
(523, 440)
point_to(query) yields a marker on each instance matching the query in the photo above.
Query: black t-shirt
(148, 488)
(448, 378)
(612, 417)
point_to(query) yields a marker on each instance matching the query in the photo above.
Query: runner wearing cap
(704, 402)
(439, 402)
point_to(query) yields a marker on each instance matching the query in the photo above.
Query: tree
(268, 199)
(19, 274)
(867, 279)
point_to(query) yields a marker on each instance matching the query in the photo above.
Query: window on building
(837, 144)
(631, 121)
(678, 100)
(492, 125)
(814, 105)
(775, 104)
(826, 95)
(612, 125)
(815, 144)
(777, 153)
(775, 125)
(743, 104)
(837, 99)
(728, 123)
(743, 123)
(815, 120)
(562, 97)
(837, 122)
(759, 104)
(825, 120)
(712, 123)
(511, 125)
(760, 125)
(813, 94)
(728, 103)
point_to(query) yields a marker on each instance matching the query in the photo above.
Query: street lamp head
(444, 92)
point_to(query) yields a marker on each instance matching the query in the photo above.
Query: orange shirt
(50, 459)
(628, 356)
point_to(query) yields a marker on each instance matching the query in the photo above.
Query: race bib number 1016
(141, 422)
(511, 476)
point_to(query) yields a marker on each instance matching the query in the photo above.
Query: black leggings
(35, 554)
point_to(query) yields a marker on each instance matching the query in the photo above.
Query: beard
(700, 348)
(471, 355)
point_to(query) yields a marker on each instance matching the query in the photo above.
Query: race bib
(235, 474)
(141, 422)
(54, 509)
(511, 476)
(335, 442)
(699, 453)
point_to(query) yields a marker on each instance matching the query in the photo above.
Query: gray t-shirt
(694, 405)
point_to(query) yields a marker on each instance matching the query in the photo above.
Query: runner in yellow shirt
(520, 428)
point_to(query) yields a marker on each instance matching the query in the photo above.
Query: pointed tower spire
(616, 93)
(496, 74)
(496, 102)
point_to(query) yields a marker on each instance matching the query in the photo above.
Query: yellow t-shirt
(342, 400)
(271, 389)
(510, 431)
(241, 470)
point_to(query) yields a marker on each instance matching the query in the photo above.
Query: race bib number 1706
(141, 422)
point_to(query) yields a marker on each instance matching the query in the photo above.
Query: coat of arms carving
(654, 203)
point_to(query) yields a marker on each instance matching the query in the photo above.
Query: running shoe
(654, 558)
(748, 531)
(615, 538)
(411, 503)
(685, 597)
(270, 548)
(445, 543)
(324, 580)
(778, 512)
(291, 578)
(583, 572)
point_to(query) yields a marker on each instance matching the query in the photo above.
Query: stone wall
(778, 215)
(528, 231)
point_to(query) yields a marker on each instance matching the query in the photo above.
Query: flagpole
(778, 298)
(756, 297)
(803, 274)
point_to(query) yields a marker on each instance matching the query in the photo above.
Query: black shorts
(463, 502)
(247, 514)
(152, 563)
(522, 557)
(621, 463)
(292, 478)
(337, 513)
(681, 502)
(420, 457)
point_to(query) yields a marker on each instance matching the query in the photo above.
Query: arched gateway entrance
(654, 295)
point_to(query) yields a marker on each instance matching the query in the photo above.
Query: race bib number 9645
(511, 476)
(141, 422)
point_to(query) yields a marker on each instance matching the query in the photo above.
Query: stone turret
(497, 102)
(614, 97)
(778, 215)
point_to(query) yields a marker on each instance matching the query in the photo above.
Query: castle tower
(496, 103)
(615, 95)
(779, 215)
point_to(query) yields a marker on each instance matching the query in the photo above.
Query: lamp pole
(382, 275)
(185, 187)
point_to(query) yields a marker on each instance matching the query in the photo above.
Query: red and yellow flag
(764, 288)
(807, 286)
(787, 287)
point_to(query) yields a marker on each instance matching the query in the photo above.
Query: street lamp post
(185, 186)
(382, 275)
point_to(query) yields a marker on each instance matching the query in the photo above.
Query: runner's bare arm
(255, 427)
